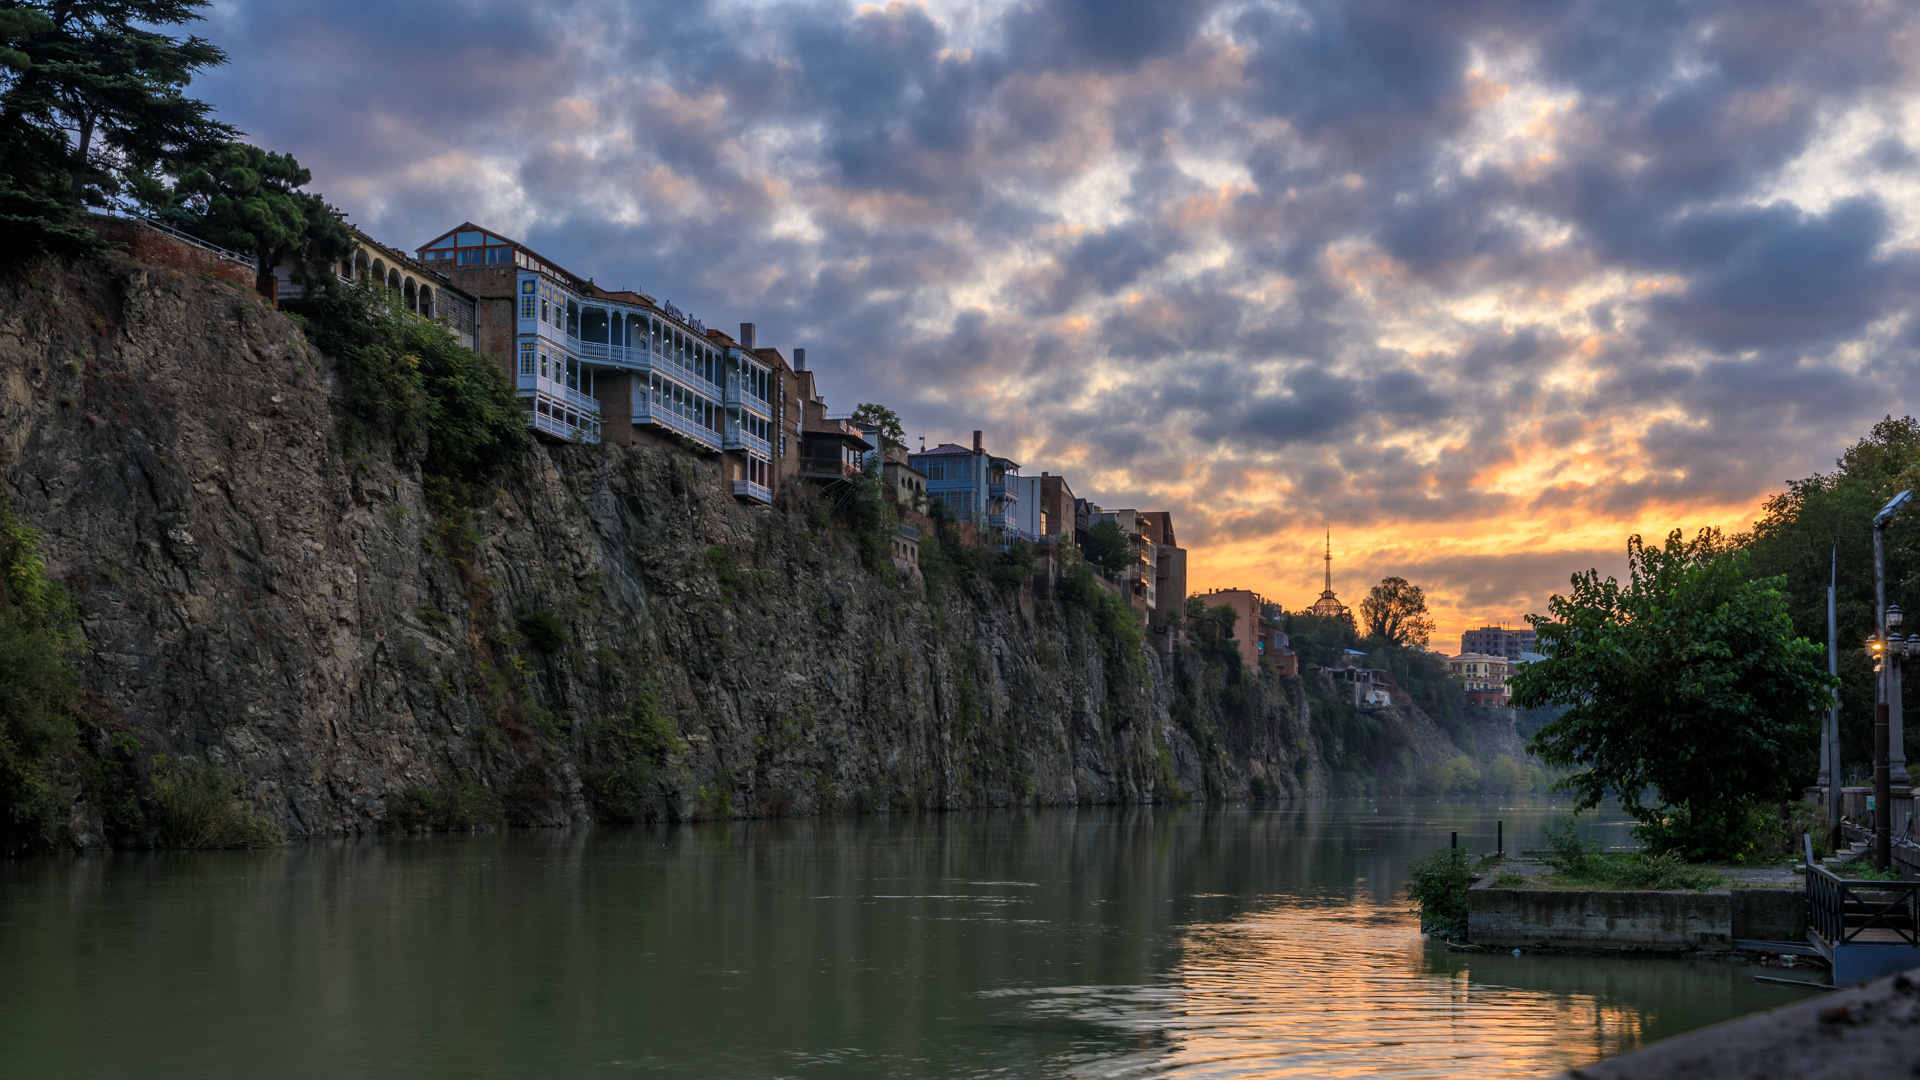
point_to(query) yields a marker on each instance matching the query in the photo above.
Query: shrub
(406, 375)
(200, 805)
(543, 630)
(461, 803)
(1566, 852)
(39, 695)
(1438, 884)
(626, 757)
(1012, 567)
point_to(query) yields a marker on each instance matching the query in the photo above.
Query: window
(526, 307)
(545, 312)
(526, 359)
(543, 365)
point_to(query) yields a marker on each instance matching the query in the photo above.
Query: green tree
(1109, 547)
(91, 95)
(1395, 612)
(888, 421)
(249, 199)
(1794, 541)
(1688, 682)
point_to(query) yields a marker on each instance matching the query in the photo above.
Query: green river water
(1190, 943)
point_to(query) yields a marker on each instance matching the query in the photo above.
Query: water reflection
(1101, 943)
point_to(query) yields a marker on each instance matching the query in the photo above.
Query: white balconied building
(593, 363)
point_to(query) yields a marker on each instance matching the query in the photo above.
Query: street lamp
(1886, 708)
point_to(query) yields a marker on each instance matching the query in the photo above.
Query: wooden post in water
(1454, 842)
(1499, 839)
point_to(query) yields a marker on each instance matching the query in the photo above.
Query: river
(1189, 943)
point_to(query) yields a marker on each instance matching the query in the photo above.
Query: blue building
(973, 484)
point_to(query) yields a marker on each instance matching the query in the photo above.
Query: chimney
(746, 335)
(799, 359)
(976, 442)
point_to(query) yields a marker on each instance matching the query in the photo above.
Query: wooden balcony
(828, 468)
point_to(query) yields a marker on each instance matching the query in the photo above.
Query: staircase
(1858, 849)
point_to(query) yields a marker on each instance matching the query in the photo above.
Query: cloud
(1487, 286)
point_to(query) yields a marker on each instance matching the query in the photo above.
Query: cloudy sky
(1485, 287)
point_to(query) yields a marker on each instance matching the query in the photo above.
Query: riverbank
(269, 589)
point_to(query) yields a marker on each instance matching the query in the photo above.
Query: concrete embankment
(1632, 921)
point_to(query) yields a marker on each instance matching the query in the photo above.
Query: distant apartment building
(1484, 675)
(1256, 630)
(1029, 508)
(973, 485)
(1498, 641)
(1063, 516)
(1140, 578)
(1169, 566)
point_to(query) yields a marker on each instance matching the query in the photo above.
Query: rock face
(259, 591)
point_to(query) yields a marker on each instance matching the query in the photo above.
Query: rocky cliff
(602, 634)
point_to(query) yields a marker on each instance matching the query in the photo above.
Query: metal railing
(827, 467)
(738, 438)
(235, 256)
(645, 413)
(554, 425)
(1842, 910)
(752, 490)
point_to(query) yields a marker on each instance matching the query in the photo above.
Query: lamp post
(1831, 775)
(1887, 689)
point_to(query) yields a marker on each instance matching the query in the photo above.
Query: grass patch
(1581, 864)
(200, 805)
(461, 804)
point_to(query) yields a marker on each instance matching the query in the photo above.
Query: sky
(1482, 287)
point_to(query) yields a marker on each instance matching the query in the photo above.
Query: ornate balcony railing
(738, 438)
(645, 413)
(750, 490)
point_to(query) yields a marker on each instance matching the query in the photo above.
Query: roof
(549, 264)
(418, 266)
(943, 448)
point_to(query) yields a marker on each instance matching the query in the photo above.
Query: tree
(1396, 613)
(888, 421)
(249, 199)
(1688, 682)
(1109, 547)
(1794, 540)
(91, 96)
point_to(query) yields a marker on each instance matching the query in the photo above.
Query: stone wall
(1608, 920)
